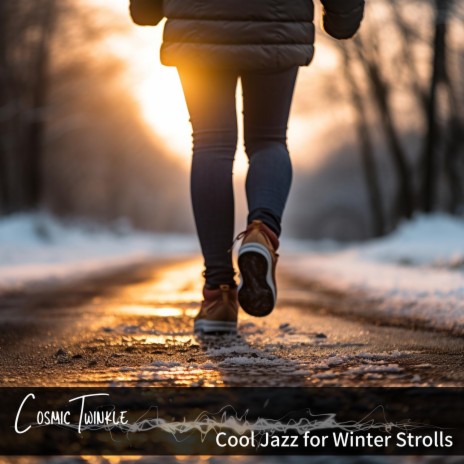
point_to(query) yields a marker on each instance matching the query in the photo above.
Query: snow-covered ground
(416, 274)
(38, 249)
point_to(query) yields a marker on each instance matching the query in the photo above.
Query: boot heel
(256, 293)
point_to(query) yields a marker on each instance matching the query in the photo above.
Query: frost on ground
(37, 249)
(255, 358)
(416, 274)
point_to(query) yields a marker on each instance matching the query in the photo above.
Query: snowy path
(414, 277)
(134, 328)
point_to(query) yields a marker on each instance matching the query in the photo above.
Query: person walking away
(213, 43)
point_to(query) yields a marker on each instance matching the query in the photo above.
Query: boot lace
(236, 239)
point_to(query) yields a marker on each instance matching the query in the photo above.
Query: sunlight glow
(178, 283)
(163, 339)
(158, 91)
(139, 310)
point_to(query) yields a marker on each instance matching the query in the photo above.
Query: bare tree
(421, 177)
(439, 76)
(367, 151)
(26, 34)
(381, 90)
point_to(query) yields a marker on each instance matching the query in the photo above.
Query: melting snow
(415, 274)
(36, 248)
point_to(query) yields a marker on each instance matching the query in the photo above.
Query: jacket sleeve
(146, 12)
(342, 18)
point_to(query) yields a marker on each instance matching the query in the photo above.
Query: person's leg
(210, 98)
(267, 98)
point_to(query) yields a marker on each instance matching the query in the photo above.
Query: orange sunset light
(158, 91)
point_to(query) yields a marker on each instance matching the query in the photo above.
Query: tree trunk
(404, 204)
(429, 181)
(452, 169)
(35, 129)
(366, 149)
(25, 41)
(409, 60)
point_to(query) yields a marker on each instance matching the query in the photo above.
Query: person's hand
(146, 12)
(341, 18)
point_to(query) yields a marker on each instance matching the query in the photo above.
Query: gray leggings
(210, 97)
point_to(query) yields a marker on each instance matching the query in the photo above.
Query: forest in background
(73, 141)
(403, 150)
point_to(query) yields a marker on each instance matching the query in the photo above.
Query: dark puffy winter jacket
(244, 34)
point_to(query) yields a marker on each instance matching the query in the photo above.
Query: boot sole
(256, 292)
(205, 326)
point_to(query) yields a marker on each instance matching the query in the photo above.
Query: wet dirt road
(135, 328)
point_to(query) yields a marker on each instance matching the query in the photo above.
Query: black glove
(342, 18)
(146, 12)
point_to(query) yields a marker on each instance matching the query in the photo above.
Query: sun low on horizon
(155, 88)
(158, 92)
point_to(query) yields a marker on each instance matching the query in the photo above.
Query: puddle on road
(164, 340)
(177, 284)
(149, 311)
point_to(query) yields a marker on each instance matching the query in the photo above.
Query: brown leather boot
(218, 312)
(257, 259)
